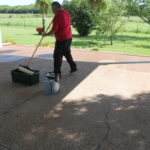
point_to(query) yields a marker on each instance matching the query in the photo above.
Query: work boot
(73, 70)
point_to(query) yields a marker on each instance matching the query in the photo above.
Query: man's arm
(53, 30)
(55, 27)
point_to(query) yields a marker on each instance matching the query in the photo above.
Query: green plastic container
(23, 78)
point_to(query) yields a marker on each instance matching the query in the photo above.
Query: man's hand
(45, 34)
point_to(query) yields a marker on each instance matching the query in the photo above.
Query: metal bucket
(51, 83)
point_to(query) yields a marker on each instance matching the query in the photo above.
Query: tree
(19, 9)
(109, 21)
(83, 20)
(141, 8)
(44, 7)
(82, 16)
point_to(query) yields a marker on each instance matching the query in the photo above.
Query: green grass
(134, 38)
(23, 22)
(137, 27)
(129, 43)
(23, 36)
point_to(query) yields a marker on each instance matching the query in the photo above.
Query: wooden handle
(30, 60)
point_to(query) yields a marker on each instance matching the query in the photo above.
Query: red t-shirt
(62, 26)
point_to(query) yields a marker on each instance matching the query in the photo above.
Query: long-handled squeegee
(26, 69)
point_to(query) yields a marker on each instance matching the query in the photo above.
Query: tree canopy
(19, 9)
(141, 8)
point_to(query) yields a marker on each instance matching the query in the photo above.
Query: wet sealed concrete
(104, 106)
(9, 55)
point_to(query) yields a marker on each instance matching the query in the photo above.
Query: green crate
(21, 77)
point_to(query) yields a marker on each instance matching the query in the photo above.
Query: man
(61, 28)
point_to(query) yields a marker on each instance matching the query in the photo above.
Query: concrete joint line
(16, 106)
(3, 147)
(108, 128)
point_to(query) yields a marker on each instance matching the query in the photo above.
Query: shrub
(70, 7)
(83, 20)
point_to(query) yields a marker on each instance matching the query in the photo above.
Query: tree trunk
(43, 21)
(111, 36)
(111, 39)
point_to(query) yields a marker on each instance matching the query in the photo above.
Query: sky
(20, 2)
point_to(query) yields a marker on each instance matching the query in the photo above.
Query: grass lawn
(23, 36)
(134, 39)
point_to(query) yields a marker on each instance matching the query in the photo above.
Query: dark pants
(62, 48)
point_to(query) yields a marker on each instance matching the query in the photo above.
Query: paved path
(105, 106)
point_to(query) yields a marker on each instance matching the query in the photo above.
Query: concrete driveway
(105, 106)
